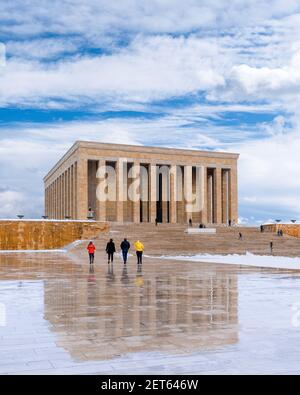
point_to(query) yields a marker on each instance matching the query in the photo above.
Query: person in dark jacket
(110, 250)
(271, 247)
(125, 247)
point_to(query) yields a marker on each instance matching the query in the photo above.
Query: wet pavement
(59, 316)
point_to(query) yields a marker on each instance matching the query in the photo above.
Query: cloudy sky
(201, 74)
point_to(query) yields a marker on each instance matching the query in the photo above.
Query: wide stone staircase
(167, 239)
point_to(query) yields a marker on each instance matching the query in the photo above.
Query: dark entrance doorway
(159, 205)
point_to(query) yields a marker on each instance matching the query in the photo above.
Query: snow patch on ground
(262, 261)
(74, 244)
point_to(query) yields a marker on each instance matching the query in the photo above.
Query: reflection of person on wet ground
(110, 274)
(125, 277)
(92, 292)
(110, 250)
(139, 280)
(91, 277)
(139, 269)
(91, 269)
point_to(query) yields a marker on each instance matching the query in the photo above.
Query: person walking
(271, 247)
(139, 248)
(262, 229)
(190, 222)
(91, 249)
(125, 247)
(110, 250)
(240, 236)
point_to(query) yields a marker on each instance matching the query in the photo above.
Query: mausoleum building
(125, 183)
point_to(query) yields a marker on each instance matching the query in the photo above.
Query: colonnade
(168, 193)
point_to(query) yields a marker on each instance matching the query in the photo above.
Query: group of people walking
(111, 250)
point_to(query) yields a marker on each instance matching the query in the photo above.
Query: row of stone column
(61, 195)
(121, 193)
(218, 188)
(67, 196)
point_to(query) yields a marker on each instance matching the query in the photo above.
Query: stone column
(153, 192)
(75, 191)
(82, 189)
(46, 201)
(144, 177)
(188, 191)
(218, 195)
(101, 203)
(50, 209)
(137, 203)
(204, 195)
(173, 193)
(121, 182)
(233, 197)
(56, 199)
(67, 193)
(165, 192)
(63, 195)
(210, 210)
(225, 196)
(71, 193)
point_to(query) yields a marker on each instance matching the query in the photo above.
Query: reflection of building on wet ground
(102, 315)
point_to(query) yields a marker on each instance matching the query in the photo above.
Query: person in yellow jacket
(139, 248)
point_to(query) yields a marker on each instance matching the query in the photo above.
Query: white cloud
(41, 48)
(11, 203)
(240, 51)
(263, 82)
(150, 68)
(100, 17)
(269, 176)
(2, 57)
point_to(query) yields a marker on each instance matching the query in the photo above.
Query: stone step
(168, 239)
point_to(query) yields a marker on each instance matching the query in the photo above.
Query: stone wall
(288, 229)
(46, 235)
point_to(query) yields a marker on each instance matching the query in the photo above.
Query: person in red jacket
(91, 249)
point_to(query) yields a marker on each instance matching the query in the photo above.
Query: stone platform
(288, 229)
(46, 234)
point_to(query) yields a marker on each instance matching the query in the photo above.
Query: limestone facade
(143, 184)
(46, 235)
